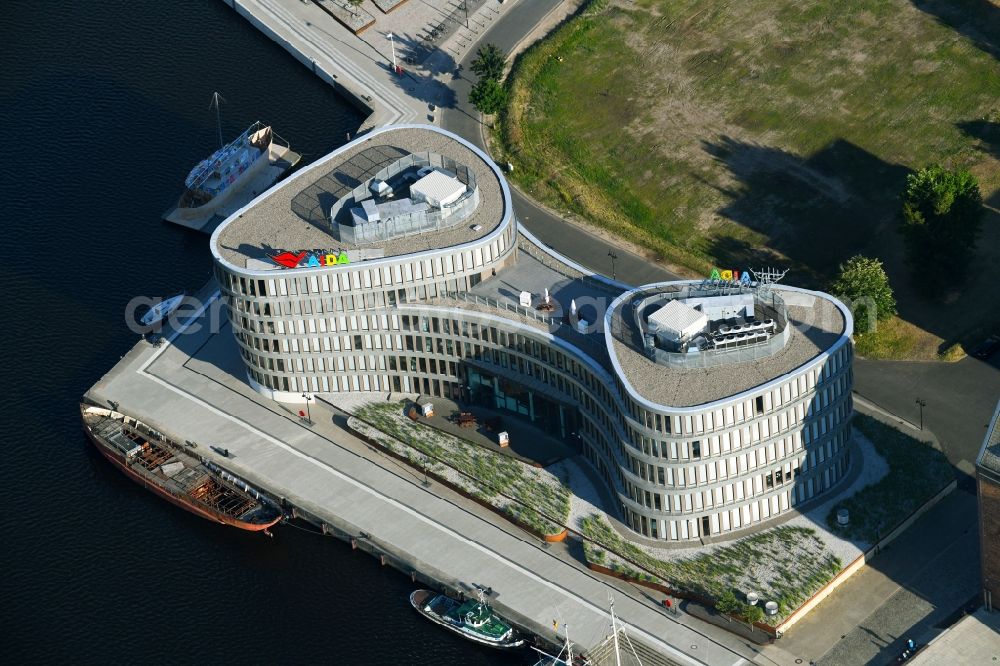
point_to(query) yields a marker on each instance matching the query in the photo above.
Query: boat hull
(420, 598)
(183, 503)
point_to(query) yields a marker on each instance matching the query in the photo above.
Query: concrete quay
(191, 387)
(360, 66)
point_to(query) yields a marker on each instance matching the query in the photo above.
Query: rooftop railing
(628, 327)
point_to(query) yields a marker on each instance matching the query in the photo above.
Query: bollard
(354, 543)
(382, 559)
(413, 576)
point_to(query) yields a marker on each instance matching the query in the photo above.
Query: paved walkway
(361, 65)
(186, 389)
(907, 591)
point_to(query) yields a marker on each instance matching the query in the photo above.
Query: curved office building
(395, 264)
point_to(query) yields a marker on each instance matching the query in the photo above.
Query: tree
(489, 96)
(754, 614)
(863, 284)
(489, 62)
(728, 603)
(942, 216)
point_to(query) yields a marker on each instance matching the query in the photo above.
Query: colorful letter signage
(313, 259)
(730, 275)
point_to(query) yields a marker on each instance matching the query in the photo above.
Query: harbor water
(105, 108)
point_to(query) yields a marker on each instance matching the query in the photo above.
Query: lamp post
(613, 256)
(308, 412)
(922, 404)
(392, 46)
(465, 6)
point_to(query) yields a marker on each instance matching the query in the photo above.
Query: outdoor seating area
(489, 429)
(465, 420)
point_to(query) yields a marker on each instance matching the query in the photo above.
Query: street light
(613, 257)
(308, 413)
(922, 403)
(392, 45)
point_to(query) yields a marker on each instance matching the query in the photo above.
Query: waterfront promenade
(191, 388)
(360, 66)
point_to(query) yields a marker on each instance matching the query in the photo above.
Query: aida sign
(730, 275)
(310, 259)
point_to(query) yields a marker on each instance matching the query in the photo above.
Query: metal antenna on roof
(216, 98)
(766, 277)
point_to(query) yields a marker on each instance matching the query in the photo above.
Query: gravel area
(520, 489)
(584, 499)
(292, 216)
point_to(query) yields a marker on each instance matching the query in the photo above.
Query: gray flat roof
(989, 456)
(817, 323)
(293, 214)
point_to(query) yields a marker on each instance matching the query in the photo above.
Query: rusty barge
(175, 473)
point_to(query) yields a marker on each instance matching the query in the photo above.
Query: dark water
(103, 109)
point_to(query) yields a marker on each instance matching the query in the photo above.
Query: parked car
(986, 348)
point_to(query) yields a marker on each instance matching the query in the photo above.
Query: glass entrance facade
(496, 392)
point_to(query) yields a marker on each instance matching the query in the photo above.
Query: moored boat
(232, 176)
(471, 619)
(161, 310)
(170, 471)
(565, 657)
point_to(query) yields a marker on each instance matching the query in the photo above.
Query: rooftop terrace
(816, 323)
(294, 215)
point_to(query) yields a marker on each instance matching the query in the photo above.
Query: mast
(216, 98)
(614, 630)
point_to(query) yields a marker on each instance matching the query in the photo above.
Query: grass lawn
(916, 472)
(895, 338)
(523, 492)
(784, 564)
(765, 131)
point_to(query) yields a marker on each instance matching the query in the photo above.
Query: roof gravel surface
(292, 216)
(816, 325)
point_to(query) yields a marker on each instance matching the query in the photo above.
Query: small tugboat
(167, 469)
(471, 619)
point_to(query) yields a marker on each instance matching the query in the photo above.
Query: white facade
(679, 473)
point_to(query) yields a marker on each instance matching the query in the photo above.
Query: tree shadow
(977, 20)
(420, 65)
(986, 132)
(814, 211)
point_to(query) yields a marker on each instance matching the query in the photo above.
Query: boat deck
(173, 470)
(280, 158)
